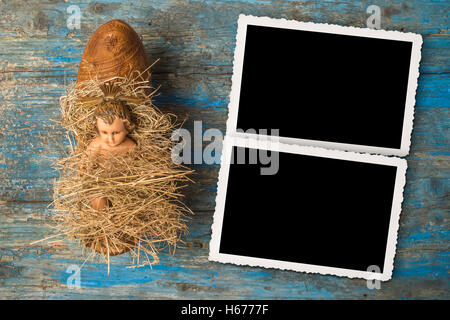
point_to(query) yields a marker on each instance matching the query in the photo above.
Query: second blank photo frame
(323, 211)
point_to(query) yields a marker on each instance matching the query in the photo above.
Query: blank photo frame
(325, 85)
(324, 211)
(338, 99)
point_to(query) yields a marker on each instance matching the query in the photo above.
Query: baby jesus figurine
(113, 123)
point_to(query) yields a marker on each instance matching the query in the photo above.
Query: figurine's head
(113, 122)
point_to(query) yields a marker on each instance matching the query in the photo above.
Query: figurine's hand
(99, 203)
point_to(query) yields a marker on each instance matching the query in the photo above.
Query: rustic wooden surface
(195, 40)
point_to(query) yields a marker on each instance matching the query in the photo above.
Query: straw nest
(145, 212)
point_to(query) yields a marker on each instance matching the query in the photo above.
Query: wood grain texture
(195, 40)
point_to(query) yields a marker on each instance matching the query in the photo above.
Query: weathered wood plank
(39, 271)
(195, 41)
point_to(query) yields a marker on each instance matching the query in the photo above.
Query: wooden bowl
(114, 49)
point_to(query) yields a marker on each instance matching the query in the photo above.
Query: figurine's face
(112, 134)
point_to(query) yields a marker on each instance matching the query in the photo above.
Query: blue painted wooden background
(195, 40)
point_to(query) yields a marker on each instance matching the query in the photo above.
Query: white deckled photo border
(233, 106)
(230, 142)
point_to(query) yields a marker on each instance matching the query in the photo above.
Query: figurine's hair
(109, 110)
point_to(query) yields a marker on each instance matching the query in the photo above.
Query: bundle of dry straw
(145, 213)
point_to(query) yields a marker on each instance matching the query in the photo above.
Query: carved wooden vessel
(114, 49)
